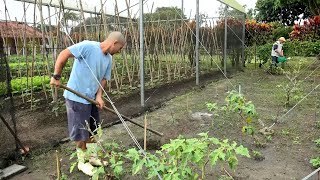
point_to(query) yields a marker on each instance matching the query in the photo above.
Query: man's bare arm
(62, 60)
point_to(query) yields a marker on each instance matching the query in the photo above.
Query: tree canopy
(285, 11)
(165, 13)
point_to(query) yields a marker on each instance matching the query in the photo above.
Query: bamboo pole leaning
(134, 42)
(44, 54)
(84, 20)
(104, 20)
(25, 49)
(33, 55)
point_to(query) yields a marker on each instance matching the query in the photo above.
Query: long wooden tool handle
(110, 110)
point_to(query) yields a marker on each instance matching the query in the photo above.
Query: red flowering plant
(309, 30)
(255, 31)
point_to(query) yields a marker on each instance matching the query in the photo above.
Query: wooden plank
(11, 171)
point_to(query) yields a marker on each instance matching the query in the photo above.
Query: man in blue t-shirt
(91, 70)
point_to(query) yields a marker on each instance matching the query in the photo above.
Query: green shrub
(23, 84)
(264, 52)
(281, 31)
(291, 48)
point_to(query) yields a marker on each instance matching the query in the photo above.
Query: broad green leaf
(242, 151)
(215, 140)
(118, 170)
(198, 155)
(233, 162)
(214, 158)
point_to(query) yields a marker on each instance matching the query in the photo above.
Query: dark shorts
(275, 59)
(78, 114)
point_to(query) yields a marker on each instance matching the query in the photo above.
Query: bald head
(116, 36)
(114, 43)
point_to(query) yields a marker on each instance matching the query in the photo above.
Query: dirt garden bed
(284, 155)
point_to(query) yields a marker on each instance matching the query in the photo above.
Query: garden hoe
(110, 110)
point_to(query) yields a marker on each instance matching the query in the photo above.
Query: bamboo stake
(124, 55)
(154, 58)
(145, 133)
(50, 39)
(25, 49)
(115, 72)
(182, 50)
(91, 31)
(33, 52)
(84, 20)
(165, 54)
(174, 50)
(105, 27)
(96, 28)
(186, 43)
(15, 39)
(174, 54)
(43, 49)
(156, 48)
(149, 62)
(134, 40)
(19, 67)
(58, 165)
(54, 91)
(216, 43)
(116, 76)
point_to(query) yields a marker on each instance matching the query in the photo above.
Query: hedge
(291, 48)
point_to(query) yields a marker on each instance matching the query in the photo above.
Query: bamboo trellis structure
(169, 47)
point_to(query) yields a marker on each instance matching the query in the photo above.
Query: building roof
(17, 29)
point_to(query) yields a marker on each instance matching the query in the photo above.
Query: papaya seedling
(292, 88)
(315, 162)
(317, 142)
(257, 155)
(236, 103)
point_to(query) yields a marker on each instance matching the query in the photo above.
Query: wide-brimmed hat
(282, 39)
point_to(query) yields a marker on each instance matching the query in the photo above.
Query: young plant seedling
(285, 132)
(269, 138)
(236, 103)
(292, 88)
(318, 124)
(317, 142)
(257, 155)
(315, 162)
(296, 140)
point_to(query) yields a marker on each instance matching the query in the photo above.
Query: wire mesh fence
(7, 110)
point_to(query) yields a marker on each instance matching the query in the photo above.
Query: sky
(208, 7)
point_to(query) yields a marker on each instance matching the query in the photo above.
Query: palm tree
(69, 16)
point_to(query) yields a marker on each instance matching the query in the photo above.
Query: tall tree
(312, 5)
(251, 13)
(285, 11)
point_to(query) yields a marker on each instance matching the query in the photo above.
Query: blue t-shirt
(87, 53)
